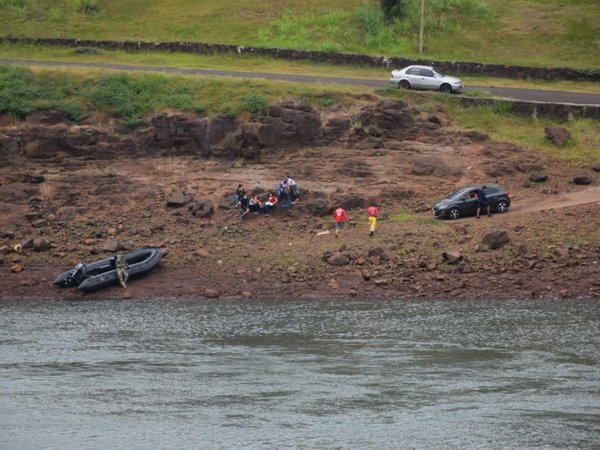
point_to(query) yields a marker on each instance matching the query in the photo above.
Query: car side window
(412, 71)
(426, 73)
(492, 191)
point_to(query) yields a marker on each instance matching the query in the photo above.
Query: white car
(425, 77)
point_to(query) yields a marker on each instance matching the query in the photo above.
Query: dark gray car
(463, 202)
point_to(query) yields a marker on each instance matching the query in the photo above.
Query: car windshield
(439, 73)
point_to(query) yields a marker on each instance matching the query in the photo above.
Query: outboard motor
(71, 277)
(78, 273)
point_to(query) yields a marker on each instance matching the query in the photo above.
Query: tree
(393, 9)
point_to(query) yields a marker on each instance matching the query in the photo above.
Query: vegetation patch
(532, 33)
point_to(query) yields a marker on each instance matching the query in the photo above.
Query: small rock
(211, 293)
(110, 246)
(16, 268)
(145, 232)
(202, 253)
(538, 177)
(246, 294)
(562, 252)
(41, 244)
(39, 223)
(452, 257)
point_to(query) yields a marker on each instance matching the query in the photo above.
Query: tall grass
(132, 98)
(525, 32)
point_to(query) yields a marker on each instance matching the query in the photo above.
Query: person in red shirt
(341, 218)
(373, 212)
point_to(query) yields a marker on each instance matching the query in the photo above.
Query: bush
(254, 103)
(87, 6)
(18, 90)
(393, 9)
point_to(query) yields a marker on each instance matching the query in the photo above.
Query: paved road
(513, 93)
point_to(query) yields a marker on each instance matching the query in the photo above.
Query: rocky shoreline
(80, 192)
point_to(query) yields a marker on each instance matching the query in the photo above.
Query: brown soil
(553, 249)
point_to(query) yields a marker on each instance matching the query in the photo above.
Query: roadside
(538, 95)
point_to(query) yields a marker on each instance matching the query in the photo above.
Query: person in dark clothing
(482, 201)
(244, 206)
(239, 193)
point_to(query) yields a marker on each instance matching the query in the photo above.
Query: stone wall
(535, 109)
(454, 67)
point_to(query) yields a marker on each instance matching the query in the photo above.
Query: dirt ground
(87, 206)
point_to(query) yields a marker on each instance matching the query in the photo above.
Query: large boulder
(336, 127)
(18, 192)
(43, 142)
(179, 199)
(316, 207)
(201, 209)
(389, 118)
(496, 239)
(559, 136)
(339, 259)
(582, 178)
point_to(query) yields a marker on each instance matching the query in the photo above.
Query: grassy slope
(527, 32)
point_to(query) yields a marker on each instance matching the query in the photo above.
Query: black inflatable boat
(100, 274)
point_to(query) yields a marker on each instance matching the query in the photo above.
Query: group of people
(341, 218)
(287, 193)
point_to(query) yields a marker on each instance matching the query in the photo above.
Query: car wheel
(453, 213)
(502, 206)
(446, 88)
(404, 84)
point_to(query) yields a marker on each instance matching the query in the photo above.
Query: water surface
(299, 374)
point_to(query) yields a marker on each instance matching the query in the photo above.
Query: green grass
(132, 97)
(409, 216)
(501, 125)
(523, 32)
(253, 63)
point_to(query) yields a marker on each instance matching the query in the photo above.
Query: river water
(254, 374)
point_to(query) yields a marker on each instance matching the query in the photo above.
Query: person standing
(482, 201)
(340, 218)
(372, 212)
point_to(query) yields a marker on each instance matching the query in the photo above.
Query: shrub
(18, 90)
(254, 103)
(393, 9)
(87, 6)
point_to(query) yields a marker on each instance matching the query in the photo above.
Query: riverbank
(71, 193)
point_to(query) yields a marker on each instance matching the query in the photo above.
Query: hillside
(530, 32)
